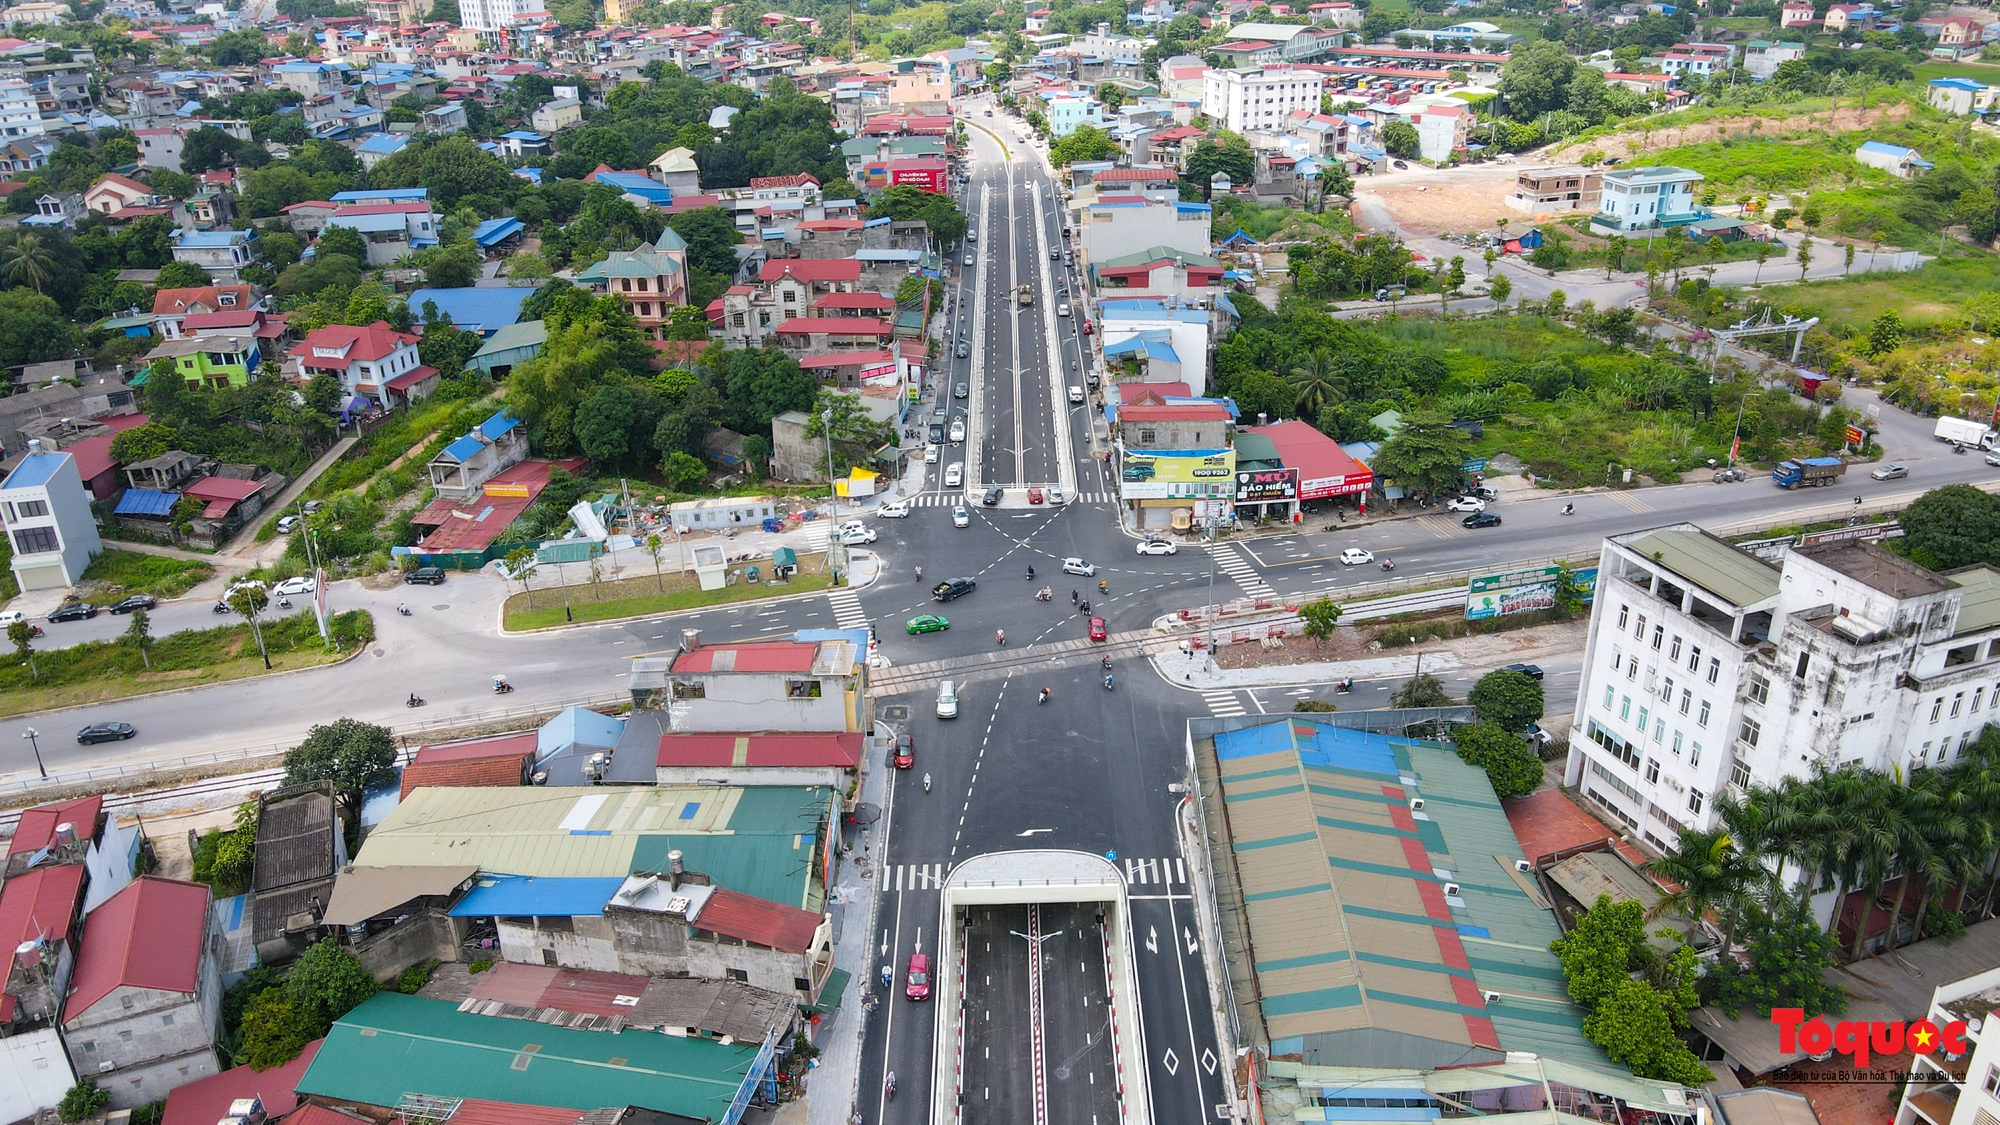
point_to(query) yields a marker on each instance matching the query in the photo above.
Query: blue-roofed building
(1961, 96)
(463, 468)
(484, 310)
(223, 253)
(636, 184)
(1389, 920)
(377, 147)
(527, 896)
(1900, 162)
(524, 142)
(1170, 342)
(565, 745)
(495, 233)
(49, 525)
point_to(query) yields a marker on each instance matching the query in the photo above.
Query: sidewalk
(1194, 671)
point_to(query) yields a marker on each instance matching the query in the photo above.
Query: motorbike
(1044, 594)
(1569, 509)
(1000, 638)
(284, 603)
(501, 686)
(403, 610)
(1031, 574)
(889, 1085)
(1107, 683)
(927, 783)
(222, 607)
(1331, 527)
(1344, 686)
(1957, 448)
(1043, 698)
(1107, 664)
(1388, 565)
(414, 701)
(1083, 608)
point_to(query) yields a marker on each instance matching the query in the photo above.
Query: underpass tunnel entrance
(1038, 1016)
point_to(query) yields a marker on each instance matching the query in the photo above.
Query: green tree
(1537, 78)
(1500, 288)
(1421, 690)
(528, 265)
(1788, 957)
(345, 241)
(139, 635)
(354, 755)
(1509, 764)
(615, 427)
(1425, 456)
(711, 237)
(1318, 618)
(1085, 144)
(1400, 138)
(1804, 256)
(1957, 525)
(23, 636)
(519, 564)
(1885, 334)
(1509, 700)
(907, 202)
(275, 1030)
(683, 471)
(1637, 1029)
(687, 322)
(83, 1100)
(147, 441)
(328, 981)
(1316, 383)
(856, 434)
(1602, 950)
(453, 267)
(1225, 152)
(28, 263)
(1261, 392)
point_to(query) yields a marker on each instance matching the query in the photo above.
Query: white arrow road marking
(1033, 831)
(1193, 946)
(1152, 939)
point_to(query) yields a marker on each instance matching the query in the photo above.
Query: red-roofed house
(779, 685)
(666, 927)
(172, 306)
(375, 362)
(750, 757)
(96, 465)
(801, 186)
(473, 763)
(37, 827)
(820, 335)
(230, 503)
(207, 1101)
(786, 288)
(145, 1002)
(115, 193)
(38, 919)
(1325, 470)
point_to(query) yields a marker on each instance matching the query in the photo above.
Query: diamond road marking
(1171, 1061)
(1208, 1060)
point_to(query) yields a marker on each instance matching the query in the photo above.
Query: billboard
(1521, 591)
(1266, 486)
(1194, 476)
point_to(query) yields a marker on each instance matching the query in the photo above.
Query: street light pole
(31, 735)
(1419, 673)
(1209, 534)
(1735, 436)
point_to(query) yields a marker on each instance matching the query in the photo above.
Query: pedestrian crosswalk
(847, 611)
(1230, 562)
(1444, 527)
(1152, 871)
(817, 534)
(1629, 501)
(948, 499)
(1223, 704)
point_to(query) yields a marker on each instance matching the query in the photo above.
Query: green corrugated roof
(526, 334)
(1159, 254)
(1981, 606)
(395, 1045)
(1737, 577)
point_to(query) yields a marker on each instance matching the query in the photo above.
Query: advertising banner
(1264, 486)
(1521, 591)
(1193, 477)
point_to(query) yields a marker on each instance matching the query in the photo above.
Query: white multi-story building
(49, 525)
(1637, 199)
(1246, 100)
(1943, 1091)
(1709, 669)
(488, 16)
(20, 116)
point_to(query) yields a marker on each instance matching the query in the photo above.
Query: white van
(954, 474)
(1076, 394)
(947, 707)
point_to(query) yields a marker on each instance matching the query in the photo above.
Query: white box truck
(1963, 431)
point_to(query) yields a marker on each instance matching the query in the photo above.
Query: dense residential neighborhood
(1526, 474)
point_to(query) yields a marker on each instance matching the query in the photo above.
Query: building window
(1659, 636)
(1695, 799)
(740, 975)
(1991, 1083)
(125, 1036)
(1799, 672)
(1749, 733)
(1659, 729)
(29, 509)
(167, 1020)
(1625, 708)
(1694, 658)
(1694, 754)
(690, 689)
(1687, 697)
(1739, 773)
(1624, 615)
(1937, 705)
(1652, 770)
(1674, 649)
(1631, 667)
(1607, 698)
(802, 689)
(1957, 701)
(1677, 744)
(1760, 688)
(1640, 632)
(1701, 720)
(35, 540)
(1645, 716)
(1976, 697)
(1714, 669)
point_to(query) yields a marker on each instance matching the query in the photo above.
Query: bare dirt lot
(1456, 204)
(1638, 142)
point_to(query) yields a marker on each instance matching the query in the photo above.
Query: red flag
(1735, 448)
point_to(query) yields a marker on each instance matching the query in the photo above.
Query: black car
(992, 497)
(964, 349)
(136, 601)
(74, 611)
(953, 588)
(105, 732)
(1481, 519)
(425, 576)
(1532, 671)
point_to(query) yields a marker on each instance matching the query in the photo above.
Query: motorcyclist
(927, 783)
(1107, 683)
(920, 573)
(1000, 637)
(1044, 697)
(1031, 574)
(1072, 597)
(1102, 587)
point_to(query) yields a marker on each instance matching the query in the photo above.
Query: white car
(1466, 504)
(293, 586)
(954, 474)
(1055, 496)
(1074, 565)
(958, 429)
(1157, 547)
(930, 454)
(287, 524)
(960, 517)
(896, 511)
(1062, 309)
(1355, 556)
(968, 259)
(1076, 394)
(11, 616)
(854, 535)
(1993, 458)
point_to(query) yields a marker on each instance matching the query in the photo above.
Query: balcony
(1936, 1103)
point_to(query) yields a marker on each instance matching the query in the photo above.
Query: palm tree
(1315, 382)
(27, 262)
(1709, 875)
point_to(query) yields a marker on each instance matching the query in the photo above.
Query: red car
(1097, 628)
(1034, 496)
(918, 985)
(906, 752)
(1086, 328)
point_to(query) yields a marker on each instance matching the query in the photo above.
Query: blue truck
(1808, 472)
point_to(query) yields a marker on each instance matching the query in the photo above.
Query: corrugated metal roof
(360, 893)
(394, 1045)
(1343, 885)
(1738, 577)
(517, 896)
(148, 935)
(145, 502)
(37, 827)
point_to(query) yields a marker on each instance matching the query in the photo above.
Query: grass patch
(133, 572)
(1928, 295)
(636, 597)
(1977, 71)
(99, 671)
